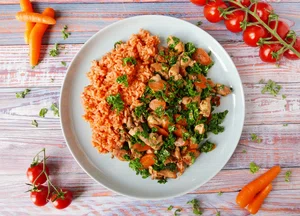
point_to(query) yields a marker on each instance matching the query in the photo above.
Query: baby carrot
(248, 192)
(27, 7)
(255, 205)
(35, 17)
(35, 38)
(147, 160)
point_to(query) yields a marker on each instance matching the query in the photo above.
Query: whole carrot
(255, 205)
(35, 17)
(248, 192)
(35, 38)
(27, 7)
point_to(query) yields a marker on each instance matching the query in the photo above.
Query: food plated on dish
(153, 105)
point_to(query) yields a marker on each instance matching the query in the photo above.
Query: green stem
(274, 33)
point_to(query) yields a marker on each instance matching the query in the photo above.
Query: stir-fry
(168, 130)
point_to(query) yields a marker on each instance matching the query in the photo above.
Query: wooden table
(19, 140)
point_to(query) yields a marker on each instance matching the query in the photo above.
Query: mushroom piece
(200, 128)
(205, 107)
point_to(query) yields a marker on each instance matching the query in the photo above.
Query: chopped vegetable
(218, 213)
(244, 151)
(199, 23)
(207, 147)
(176, 213)
(64, 63)
(216, 120)
(23, 93)
(272, 88)
(55, 109)
(116, 102)
(54, 52)
(248, 192)
(220, 193)
(285, 125)
(64, 32)
(123, 80)
(34, 123)
(138, 168)
(283, 96)
(35, 18)
(254, 168)
(170, 208)
(26, 6)
(118, 42)
(255, 138)
(258, 200)
(196, 207)
(43, 112)
(288, 175)
(129, 60)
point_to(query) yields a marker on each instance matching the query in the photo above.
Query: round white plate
(117, 175)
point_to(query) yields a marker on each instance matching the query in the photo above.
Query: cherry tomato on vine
(282, 28)
(267, 51)
(252, 34)
(62, 199)
(211, 11)
(290, 54)
(39, 195)
(233, 21)
(34, 171)
(199, 2)
(263, 11)
(246, 3)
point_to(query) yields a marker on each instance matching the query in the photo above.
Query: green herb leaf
(172, 60)
(196, 207)
(255, 138)
(199, 23)
(218, 213)
(64, 32)
(216, 120)
(287, 176)
(23, 93)
(284, 125)
(207, 147)
(261, 81)
(123, 80)
(189, 48)
(64, 63)
(54, 52)
(283, 96)
(176, 213)
(127, 157)
(43, 112)
(162, 181)
(254, 168)
(34, 123)
(118, 42)
(141, 111)
(138, 168)
(159, 111)
(220, 193)
(116, 102)
(129, 60)
(170, 208)
(55, 109)
(272, 88)
(244, 151)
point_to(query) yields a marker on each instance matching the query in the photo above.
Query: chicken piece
(201, 56)
(161, 56)
(222, 89)
(211, 83)
(205, 107)
(167, 174)
(196, 99)
(154, 141)
(155, 78)
(175, 44)
(186, 100)
(200, 128)
(180, 167)
(170, 160)
(154, 120)
(180, 142)
(156, 103)
(177, 153)
(161, 68)
(136, 154)
(190, 156)
(174, 71)
(120, 153)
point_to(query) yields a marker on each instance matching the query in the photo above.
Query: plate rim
(63, 87)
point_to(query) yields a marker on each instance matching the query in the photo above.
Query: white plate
(116, 175)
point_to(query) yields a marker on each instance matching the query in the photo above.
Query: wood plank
(15, 70)
(94, 17)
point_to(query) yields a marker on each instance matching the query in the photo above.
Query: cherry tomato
(34, 171)
(289, 54)
(211, 11)
(39, 195)
(246, 3)
(252, 34)
(233, 21)
(282, 28)
(62, 199)
(263, 11)
(199, 2)
(266, 50)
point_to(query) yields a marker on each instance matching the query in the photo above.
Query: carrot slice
(155, 103)
(181, 121)
(248, 192)
(27, 7)
(157, 85)
(147, 160)
(255, 205)
(140, 148)
(35, 38)
(35, 17)
(162, 131)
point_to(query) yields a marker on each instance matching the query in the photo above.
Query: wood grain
(16, 71)
(94, 17)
